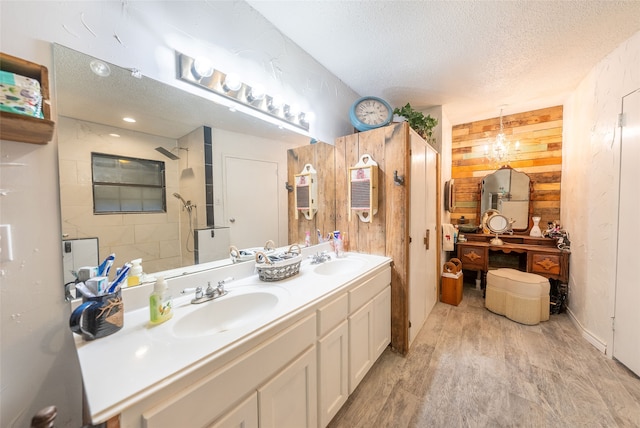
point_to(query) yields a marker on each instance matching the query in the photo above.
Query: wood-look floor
(469, 367)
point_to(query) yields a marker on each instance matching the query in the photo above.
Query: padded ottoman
(520, 296)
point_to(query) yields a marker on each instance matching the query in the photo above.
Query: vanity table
(535, 255)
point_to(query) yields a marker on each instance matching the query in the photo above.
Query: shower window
(127, 185)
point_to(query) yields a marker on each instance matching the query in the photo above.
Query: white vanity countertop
(137, 361)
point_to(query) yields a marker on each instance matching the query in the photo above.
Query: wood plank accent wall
(322, 157)
(540, 156)
(387, 232)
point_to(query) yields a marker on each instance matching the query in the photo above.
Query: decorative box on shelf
(23, 128)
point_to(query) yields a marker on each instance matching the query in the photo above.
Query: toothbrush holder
(98, 316)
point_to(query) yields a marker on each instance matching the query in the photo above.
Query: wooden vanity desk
(535, 255)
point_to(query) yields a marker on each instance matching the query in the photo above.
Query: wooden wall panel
(540, 156)
(322, 157)
(387, 233)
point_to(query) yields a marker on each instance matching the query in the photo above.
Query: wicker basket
(250, 253)
(276, 267)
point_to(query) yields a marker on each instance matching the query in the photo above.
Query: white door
(626, 346)
(433, 271)
(422, 225)
(251, 201)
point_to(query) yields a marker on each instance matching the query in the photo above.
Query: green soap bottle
(160, 305)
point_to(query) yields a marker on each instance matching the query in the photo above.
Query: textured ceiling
(470, 56)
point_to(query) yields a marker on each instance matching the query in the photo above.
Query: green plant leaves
(420, 123)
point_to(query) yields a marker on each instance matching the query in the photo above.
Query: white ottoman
(520, 296)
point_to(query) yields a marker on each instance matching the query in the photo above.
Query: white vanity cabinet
(244, 415)
(369, 326)
(297, 371)
(333, 358)
(353, 330)
(275, 371)
(289, 399)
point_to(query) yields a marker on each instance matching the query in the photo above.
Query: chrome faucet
(210, 293)
(318, 258)
(220, 290)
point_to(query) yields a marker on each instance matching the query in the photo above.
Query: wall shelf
(26, 129)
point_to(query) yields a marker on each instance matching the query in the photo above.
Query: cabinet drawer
(332, 314)
(545, 263)
(472, 257)
(368, 290)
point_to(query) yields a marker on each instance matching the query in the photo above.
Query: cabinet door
(382, 322)
(333, 378)
(360, 344)
(244, 415)
(290, 398)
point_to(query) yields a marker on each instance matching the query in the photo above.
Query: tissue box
(98, 285)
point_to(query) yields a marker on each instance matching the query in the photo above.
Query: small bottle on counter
(307, 239)
(337, 244)
(135, 273)
(160, 304)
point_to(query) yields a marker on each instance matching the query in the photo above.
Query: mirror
(508, 192)
(171, 123)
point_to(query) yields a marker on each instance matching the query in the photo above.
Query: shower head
(187, 205)
(177, 195)
(167, 153)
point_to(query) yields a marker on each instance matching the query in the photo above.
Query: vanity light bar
(227, 86)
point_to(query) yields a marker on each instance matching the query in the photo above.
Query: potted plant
(420, 123)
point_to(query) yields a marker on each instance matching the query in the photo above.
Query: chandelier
(499, 151)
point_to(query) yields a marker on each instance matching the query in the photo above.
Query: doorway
(251, 201)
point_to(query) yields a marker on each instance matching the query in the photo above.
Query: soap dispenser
(135, 274)
(160, 305)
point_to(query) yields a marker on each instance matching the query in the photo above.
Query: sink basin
(227, 313)
(338, 267)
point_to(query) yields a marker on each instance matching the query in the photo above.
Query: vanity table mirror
(508, 192)
(90, 111)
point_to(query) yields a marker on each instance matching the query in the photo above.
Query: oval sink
(227, 313)
(338, 267)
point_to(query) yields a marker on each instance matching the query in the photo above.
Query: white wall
(38, 366)
(589, 198)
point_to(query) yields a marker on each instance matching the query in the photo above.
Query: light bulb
(100, 68)
(256, 93)
(275, 103)
(291, 111)
(231, 83)
(202, 67)
(306, 117)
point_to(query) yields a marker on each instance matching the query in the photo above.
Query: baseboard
(597, 343)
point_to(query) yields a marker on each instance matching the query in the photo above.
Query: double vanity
(268, 354)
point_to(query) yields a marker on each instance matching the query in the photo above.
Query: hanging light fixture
(499, 151)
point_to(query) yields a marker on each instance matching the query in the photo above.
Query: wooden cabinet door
(333, 380)
(290, 398)
(360, 344)
(244, 415)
